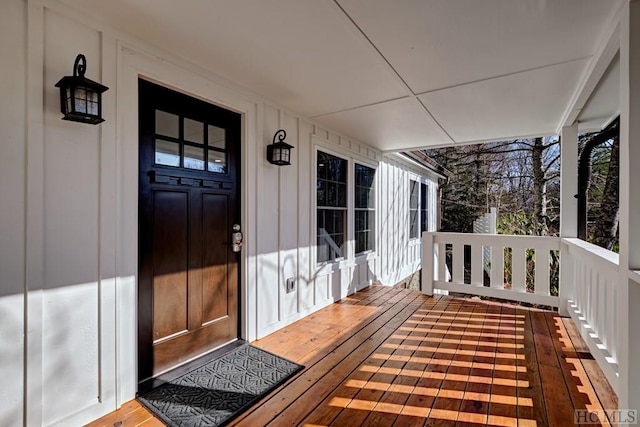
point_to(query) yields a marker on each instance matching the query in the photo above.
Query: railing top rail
(497, 239)
(578, 245)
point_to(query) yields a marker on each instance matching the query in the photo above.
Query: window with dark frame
(414, 209)
(424, 207)
(365, 208)
(331, 205)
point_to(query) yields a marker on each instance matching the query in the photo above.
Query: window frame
(349, 258)
(348, 184)
(373, 209)
(423, 205)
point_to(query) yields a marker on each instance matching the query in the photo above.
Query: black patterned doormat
(215, 393)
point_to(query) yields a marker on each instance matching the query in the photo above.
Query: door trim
(133, 63)
(196, 186)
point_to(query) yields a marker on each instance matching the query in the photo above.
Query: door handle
(236, 238)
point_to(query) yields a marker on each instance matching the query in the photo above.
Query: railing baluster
(541, 285)
(458, 263)
(497, 267)
(477, 265)
(519, 269)
(442, 262)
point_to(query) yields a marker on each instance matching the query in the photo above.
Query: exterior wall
(400, 255)
(12, 209)
(68, 222)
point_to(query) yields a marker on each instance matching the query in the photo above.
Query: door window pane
(193, 131)
(216, 137)
(217, 162)
(167, 153)
(193, 157)
(167, 124)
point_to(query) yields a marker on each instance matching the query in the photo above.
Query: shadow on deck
(390, 356)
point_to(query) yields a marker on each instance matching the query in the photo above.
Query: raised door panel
(170, 254)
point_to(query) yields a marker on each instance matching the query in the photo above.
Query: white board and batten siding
(68, 223)
(401, 255)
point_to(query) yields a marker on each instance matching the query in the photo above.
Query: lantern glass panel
(69, 100)
(92, 103)
(80, 101)
(277, 153)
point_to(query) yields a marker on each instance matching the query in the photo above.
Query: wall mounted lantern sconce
(279, 153)
(81, 98)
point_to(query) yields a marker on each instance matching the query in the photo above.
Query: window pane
(216, 137)
(331, 168)
(413, 224)
(423, 195)
(364, 187)
(331, 198)
(167, 124)
(331, 231)
(364, 208)
(193, 157)
(193, 131)
(414, 194)
(321, 187)
(424, 206)
(217, 162)
(423, 220)
(341, 195)
(167, 153)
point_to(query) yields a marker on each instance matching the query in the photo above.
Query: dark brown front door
(188, 204)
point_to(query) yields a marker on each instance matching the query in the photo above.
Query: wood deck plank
(318, 381)
(347, 391)
(389, 356)
(557, 397)
(604, 391)
(583, 396)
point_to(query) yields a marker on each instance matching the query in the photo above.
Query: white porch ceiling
(396, 74)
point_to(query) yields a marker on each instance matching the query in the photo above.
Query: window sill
(365, 256)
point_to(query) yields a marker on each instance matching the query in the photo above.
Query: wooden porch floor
(389, 356)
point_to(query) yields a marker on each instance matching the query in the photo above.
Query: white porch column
(629, 284)
(568, 208)
(569, 181)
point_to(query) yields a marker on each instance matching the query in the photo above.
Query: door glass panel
(193, 131)
(193, 157)
(167, 124)
(217, 162)
(167, 153)
(216, 137)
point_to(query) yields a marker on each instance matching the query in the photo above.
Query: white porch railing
(587, 284)
(592, 308)
(435, 246)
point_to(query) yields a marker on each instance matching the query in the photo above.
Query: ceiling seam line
(486, 79)
(384, 58)
(435, 120)
(373, 104)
